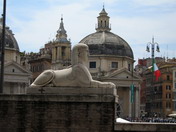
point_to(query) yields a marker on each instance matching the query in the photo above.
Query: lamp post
(153, 48)
(152, 44)
(2, 47)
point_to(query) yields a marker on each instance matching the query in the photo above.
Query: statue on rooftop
(77, 75)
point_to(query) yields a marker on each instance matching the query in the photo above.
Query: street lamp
(2, 48)
(152, 47)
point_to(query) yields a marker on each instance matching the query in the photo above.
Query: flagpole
(132, 89)
(2, 48)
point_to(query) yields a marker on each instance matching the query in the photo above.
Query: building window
(168, 95)
(101, 24)
(168, 87)
(114, 65)
(129, 67)
(168, 77)
(92, 64)
(168, 105)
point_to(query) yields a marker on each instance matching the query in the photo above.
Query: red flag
(156, 71)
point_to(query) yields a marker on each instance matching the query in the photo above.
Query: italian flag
(156, 71)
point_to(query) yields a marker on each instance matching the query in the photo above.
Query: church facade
(111, 59)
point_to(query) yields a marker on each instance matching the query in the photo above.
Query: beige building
(16, 78)
(174, 89)
(111, 59)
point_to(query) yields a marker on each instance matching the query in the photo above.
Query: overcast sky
(35, 22)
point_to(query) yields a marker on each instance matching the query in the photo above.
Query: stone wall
(56, 113)
(144, 127)
(67, 113)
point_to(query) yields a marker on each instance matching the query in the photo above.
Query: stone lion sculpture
(75, 76)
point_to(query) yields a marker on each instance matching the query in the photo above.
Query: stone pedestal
(75, 91)
(59, 109)
(72, 91)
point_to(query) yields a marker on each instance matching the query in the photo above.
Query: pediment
(15, 68)
(124, 74)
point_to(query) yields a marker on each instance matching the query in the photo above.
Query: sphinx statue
(77, 75)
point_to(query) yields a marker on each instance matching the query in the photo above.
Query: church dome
(107, 43)
(10, 41)
(104, 42)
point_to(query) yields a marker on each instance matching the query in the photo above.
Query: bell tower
(61, 49)
(103, 21)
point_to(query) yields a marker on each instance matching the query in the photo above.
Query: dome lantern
(103, 21)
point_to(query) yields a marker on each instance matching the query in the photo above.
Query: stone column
(130, 105)
(58, 54)
(137, 102)
(18, 86)
(53, 54)
(67, 53)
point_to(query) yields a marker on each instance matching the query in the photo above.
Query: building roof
(107, 43)
(10, 41)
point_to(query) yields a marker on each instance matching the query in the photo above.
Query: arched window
(63, 51)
